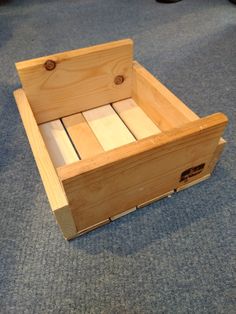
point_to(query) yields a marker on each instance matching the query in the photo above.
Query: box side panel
(51, 182)
(162, 106)
(78, 80)
(53, 187)
(135, 173)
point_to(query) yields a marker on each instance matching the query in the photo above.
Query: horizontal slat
(58, 144)
(108, 127)
(82, 136)
(135, 118)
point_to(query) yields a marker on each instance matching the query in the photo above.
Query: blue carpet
(175, 256)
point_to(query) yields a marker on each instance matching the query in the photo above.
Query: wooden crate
(108, 137)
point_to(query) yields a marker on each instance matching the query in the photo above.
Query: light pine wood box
(108, 137)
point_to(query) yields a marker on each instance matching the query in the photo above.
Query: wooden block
(123, 214)
(135, 119)
(52, 185)
(161, 105)
(109, 129)
(155, 199)
(134, 173)
(80, 80)
(82, 136)
(58, 143)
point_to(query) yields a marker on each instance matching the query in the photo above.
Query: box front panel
(121, 182)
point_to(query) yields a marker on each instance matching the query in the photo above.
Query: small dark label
(191, 172)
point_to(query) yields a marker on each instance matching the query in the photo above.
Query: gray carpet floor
(175, 256)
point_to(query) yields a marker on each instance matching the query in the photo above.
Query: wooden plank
(133, 174)
(109, 129)
(161, 105)
(82, 79)
(58, 143)
(135, 118)
(82, 136)
(54, 190)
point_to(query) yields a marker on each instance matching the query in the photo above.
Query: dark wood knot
(50, 65)
(119, 79)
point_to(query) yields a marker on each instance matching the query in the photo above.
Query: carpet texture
(174, 256)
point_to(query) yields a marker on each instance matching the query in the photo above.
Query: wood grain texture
(82, 79)
(133, 174)
(156, 199)
(82, 136)
(109, 129)
(161, 105)
(135, 119)
(53, 188)
(58, 143)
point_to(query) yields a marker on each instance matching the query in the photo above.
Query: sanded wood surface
(82, 79)
(54, 190)
(109, 129)
(58, 143)
(135, 119)
(162, 106)
(138, 172)
(82, 136)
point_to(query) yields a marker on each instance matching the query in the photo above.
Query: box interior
(151, 110)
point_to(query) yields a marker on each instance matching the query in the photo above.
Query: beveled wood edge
(68, 172)
(62, 56)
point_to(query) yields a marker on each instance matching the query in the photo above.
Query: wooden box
(108, 137)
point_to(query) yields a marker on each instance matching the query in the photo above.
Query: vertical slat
(82, 136)
(108, 127)
(135, 118)
(58, 143)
